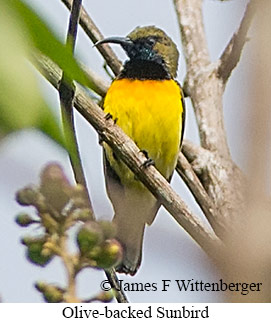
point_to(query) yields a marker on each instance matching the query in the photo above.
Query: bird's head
(149, 44)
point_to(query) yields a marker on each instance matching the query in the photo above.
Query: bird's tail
(130, 234)
(130, 219)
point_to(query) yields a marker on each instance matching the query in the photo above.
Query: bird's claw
(149, 161)
(108, 116)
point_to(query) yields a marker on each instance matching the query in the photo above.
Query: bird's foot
(108, 116)
(149, 161)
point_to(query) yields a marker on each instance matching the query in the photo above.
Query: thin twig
(95, 35)
(100, 86)
(73, 23)
(66, 94)
(70, 295)
(192, 181)
(131, 155)
(232, 53)
(114, 282)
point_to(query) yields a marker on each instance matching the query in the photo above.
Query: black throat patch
(144, 70)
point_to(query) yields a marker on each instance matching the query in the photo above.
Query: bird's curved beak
(123, 41)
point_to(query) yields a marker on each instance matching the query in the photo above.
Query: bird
(147, 102)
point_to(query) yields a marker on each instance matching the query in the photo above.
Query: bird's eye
(151, 41)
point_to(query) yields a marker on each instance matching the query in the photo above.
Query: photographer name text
(187, 285)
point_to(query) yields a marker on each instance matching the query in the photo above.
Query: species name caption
(186, 285)
(184, 312)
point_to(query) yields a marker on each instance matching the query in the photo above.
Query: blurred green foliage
(24, 34)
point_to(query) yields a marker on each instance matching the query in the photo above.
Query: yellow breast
(149, 112)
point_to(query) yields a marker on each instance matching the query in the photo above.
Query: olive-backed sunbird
(146, 101)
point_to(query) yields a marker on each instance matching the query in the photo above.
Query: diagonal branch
(224, 183)
(95, 35)
(134, 159)
(99, 85)
(232, 53)
(192, 181)
(192, 151)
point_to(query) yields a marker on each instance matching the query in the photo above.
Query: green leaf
(48, 44)
(21, 103)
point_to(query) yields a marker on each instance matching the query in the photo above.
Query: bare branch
(192, 31)
(66, 94)
(95, 35)
(134, 159)
(114, 282)
(100, 86)
(222, 180)
(224, 183)
(193, 151)
(202, 83)
(187, 173)
(73, 23)
(232, 53)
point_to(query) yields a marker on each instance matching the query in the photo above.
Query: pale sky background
(169, 253)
